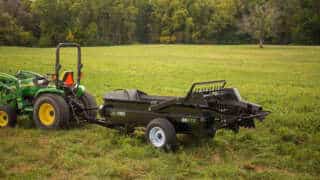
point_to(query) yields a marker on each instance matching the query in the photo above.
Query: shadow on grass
(186, 143)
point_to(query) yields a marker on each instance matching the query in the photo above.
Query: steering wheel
(41, 81)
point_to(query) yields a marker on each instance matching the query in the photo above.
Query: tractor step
(28, 109)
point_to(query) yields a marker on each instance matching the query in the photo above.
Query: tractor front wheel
(8, 117)
(51, 111)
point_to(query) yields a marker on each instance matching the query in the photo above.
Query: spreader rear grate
(206, 87)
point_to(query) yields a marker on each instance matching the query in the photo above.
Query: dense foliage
(98, 22)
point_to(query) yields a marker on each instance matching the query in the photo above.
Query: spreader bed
(207, 107)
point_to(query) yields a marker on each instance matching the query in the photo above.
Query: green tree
(17, 24)
(9, 30)
(99, 22)
(307, 18)
(55, 20)
(258, 20)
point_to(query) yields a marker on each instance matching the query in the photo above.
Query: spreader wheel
(161, 134)
(51, 112)
(8, 117)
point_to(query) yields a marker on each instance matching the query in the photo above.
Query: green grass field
(284, 79)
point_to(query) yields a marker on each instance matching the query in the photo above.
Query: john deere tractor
(53, 101)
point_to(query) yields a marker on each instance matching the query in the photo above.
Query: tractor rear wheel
(8, 116)
(90, 103)
(51, 111)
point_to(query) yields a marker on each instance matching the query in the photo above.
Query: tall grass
(284, 79)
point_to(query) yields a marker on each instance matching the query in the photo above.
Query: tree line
(103, 22)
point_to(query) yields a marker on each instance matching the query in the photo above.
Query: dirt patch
(43, 141)
(261, 169)
(21, 168)
(215, 158)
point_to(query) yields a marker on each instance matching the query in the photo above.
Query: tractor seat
(40, 82)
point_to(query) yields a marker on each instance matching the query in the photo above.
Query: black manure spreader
(207, 107)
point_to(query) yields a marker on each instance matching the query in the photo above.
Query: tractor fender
(80, 91)
(49, 91)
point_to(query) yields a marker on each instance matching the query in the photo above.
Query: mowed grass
(284, 79)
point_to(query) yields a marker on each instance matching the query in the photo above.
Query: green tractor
(51, 101)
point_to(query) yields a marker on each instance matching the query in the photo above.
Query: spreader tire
(161, 134)
(90, 102)
(51, 111)
(8, 116)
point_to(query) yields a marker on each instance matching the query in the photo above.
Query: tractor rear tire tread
(12, 113)
(61, 107)
(90, 102)
(66, 110)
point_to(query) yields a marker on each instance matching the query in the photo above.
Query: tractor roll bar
(58, 65)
